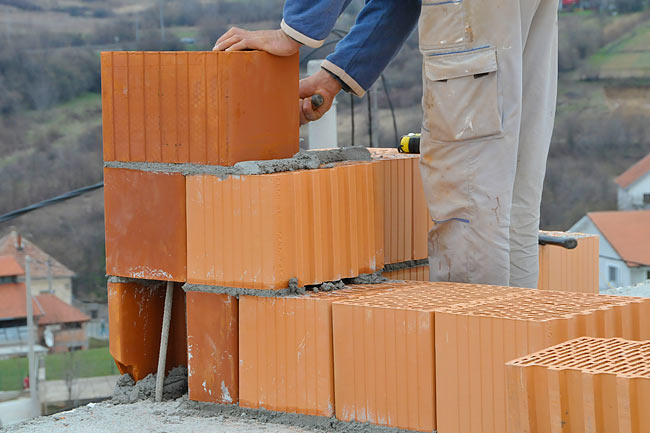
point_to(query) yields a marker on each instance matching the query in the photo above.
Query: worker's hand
(325, 85)
(272, 41)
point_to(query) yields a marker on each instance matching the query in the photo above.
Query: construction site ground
(182, 416)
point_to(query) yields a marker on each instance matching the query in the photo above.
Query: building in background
(624, 245)
(60, 326)
(634, 186)
(46, 270)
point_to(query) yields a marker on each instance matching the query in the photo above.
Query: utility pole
(162, 21)
(49, 275)
(31, 359)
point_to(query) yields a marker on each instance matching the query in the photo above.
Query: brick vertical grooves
(570, 270)
(135, 324)
(108, 116)
(136, 108)
(213, 348)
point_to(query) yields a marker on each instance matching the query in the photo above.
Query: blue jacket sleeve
(381, 29)
(311, 21)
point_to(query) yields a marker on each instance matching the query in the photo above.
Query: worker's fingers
(307, 87)
(308, 111)
(231, 32)
(222, 46)
(303, 119)
(244, 44)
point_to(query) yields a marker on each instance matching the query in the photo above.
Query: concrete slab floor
(182, 416)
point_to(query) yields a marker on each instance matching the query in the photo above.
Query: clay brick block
(199, 107)
(570, 270)
(420, 273)
(406, 215)
(145, 225)
(213, 350)
(135, 312)
(384, 359)
(584, 385)
(474, 341)
(260, 231)
(286, 350)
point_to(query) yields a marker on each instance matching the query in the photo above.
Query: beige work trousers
(490, 85)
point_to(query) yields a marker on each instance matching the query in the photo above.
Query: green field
(84, 363)
(626, 57)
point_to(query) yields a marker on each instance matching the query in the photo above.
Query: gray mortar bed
(303, 160)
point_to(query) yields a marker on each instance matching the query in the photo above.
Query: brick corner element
(573, 270)
(213, 351)
(135, 312)
(583, 385)
(199, 107)
(145, 225)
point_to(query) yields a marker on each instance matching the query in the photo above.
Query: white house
(634, 186)
(624, 245)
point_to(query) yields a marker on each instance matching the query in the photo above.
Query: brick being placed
(570, 270)
(384, 352)
(199, 107)
(593, 385)
(213, 347)
(135, 311)
(259, 232)
(286, 352)
(406, 216)
(474, 341)
(146, 235)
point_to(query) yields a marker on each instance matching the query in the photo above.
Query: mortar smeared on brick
(303, 160)
(410, 264)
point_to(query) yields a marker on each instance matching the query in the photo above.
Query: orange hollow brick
(475, 340)
(384, 358)
(145, 225)
(199, 107)
(406, 215)
(135, 315)
(285, 355)
(570, 270)
(584, 385)
(212, 340)
(259, 232)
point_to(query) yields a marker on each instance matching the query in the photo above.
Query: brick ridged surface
(212, 344)
(145, 225)
(570, 270)
(584, 385)
(420, 273)
(474, 341)
(260, 231)
(286, 360)
(384, 358)
(406, 215)
(199, 107)
(135, 324)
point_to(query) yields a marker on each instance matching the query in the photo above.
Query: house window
(646, 198)
(613, 274)
(647, 275)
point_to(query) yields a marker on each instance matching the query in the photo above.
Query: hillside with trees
(50, 108)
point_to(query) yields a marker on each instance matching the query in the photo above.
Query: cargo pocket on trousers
(443, 24)
(461, 98)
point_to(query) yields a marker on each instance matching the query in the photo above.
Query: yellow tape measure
(410, 143)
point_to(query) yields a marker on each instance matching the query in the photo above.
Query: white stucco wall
(632, 197)
(608, 256)
(62, 287)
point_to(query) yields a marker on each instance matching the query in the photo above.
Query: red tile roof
(9, 245)
(13, 301)
(634, 173)
(628, 232)
(9, 267)
(57, 311)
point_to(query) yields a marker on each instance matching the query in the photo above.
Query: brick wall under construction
(257, 240)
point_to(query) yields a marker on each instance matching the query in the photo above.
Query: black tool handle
(566, 242)
(316, 101)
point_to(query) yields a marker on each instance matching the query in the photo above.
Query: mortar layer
(303, 160)
(406, 265)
